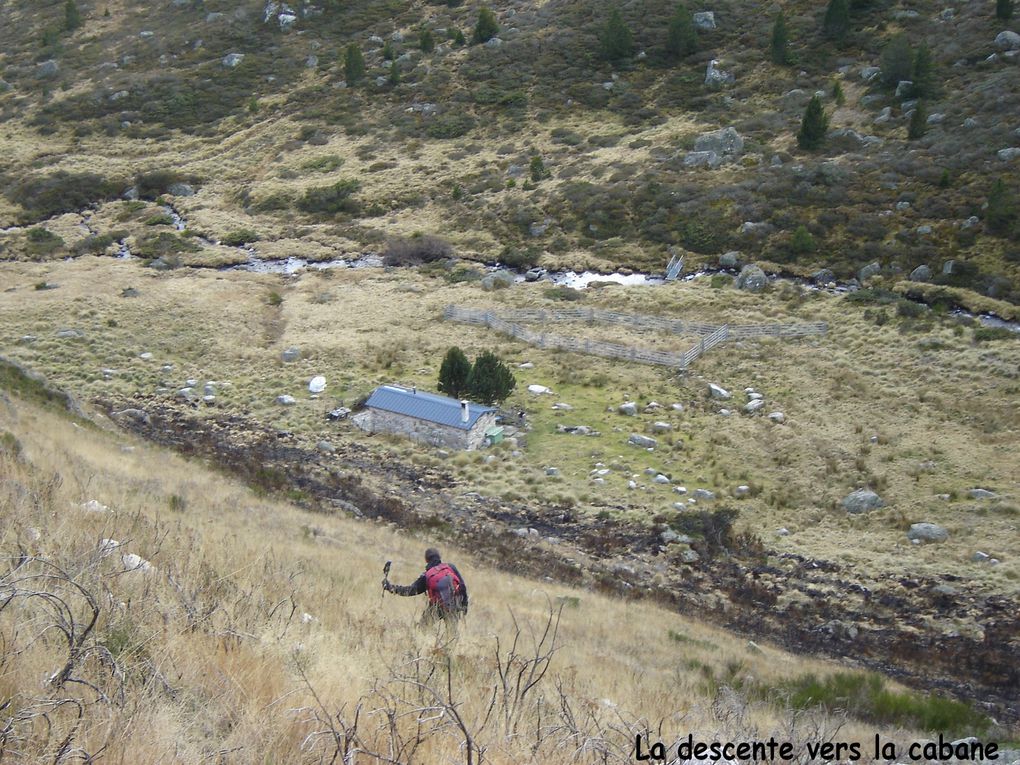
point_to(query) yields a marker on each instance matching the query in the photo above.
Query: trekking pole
(386, 577)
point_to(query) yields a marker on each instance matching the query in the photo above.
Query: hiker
(447, 591)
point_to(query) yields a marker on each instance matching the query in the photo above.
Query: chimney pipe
(463, 410)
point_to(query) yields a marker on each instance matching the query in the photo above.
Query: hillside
(205, 204)
(154, 611)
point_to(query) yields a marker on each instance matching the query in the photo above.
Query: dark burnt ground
(931, 633)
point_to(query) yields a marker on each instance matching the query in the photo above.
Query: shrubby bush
(415, 250)
(60, 193)
(331, 199)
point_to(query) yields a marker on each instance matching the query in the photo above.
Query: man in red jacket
(446, 588)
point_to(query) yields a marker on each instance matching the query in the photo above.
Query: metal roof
(431, 407)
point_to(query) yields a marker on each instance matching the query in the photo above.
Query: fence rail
(509, 323)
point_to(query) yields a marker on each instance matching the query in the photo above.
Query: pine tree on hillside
(1004, 9)
(1002, 209)
(813, 126)
(681, 34)
(491, 380)
(354, 64)
(454, 373)
(72, 18)
(918, 122)
(923, 73)
(837, 20)
(897, 61)
(486, 28)
(616, 40)
(394, 77)
(779, 45)
(426, 41)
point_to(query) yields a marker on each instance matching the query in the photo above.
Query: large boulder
(628, 408)
(921, 274)
(729, 259)
(861, 501)
(751, 278)
(232, 60)
(497, 280)
(927, 532)
(1007, 40)
(872, 269)
(718, 392)
(702, 159)
(704, 21)
(47, 69)
(716, 77)
(725, 142)
(645, 442)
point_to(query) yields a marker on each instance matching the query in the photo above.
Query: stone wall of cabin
(422, 431)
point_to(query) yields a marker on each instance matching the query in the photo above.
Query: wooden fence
(509, 323)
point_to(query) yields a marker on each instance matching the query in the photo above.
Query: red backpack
(444, 586)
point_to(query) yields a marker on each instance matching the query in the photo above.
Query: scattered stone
(980, 557)
(645, 442)
(982, 494)
(753, 406)
(824, 276)
(561, 406)
(702, 159)
(872, 269)
(936, 119)
(539, 390)
(552, 471)
(210, 400)
(107, 546)
(317, 384)
(146, 356)
(718, 392)
(660, 478)
(742, 491)
(1007, 154)
(631, 484)
(704, 21)
(526, 365)
(924, 230)
(884, 116)
(628, 408)
(904, 88)
(661, 427)
(668, 536)
(180, 190)
(921, 274)
(232, 60)
(677, 407)
(783, 532)
(751, 278)
(715, 77)
(927, 532)
(725, 412)
(725, 142)
(689, 556)
(497, 280)
(729, 259)
(777, 417)
(754, 395)
(325, 446)
(94, 506)
(703, 494)
(340, 413)
(861, 501)
(680, 489)
(869, 73)
(69, 334)
(534, 274)
(133, 562)
(47, 70)
(186, 394)
(286, 400)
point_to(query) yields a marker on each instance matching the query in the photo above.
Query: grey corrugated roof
(441, 410)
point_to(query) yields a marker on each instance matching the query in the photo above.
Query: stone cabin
(426, 417)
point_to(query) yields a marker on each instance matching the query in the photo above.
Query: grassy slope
(209, 647)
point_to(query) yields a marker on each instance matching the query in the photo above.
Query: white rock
(677, 407)
(286, 400)
(526, 365)
(718, 392)
(783, 532)
(660, 478)
(754, 396)
(778, 417)
(753, 406)
(133, 562)
(680, 489)
(317, 384)
(631, 484)
(94, 506)
(741, 491)
(232, 60)
(107, 546)
(628, 408)
(538, 390)
(725, 412)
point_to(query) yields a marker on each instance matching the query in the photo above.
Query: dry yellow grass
(258, 621)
